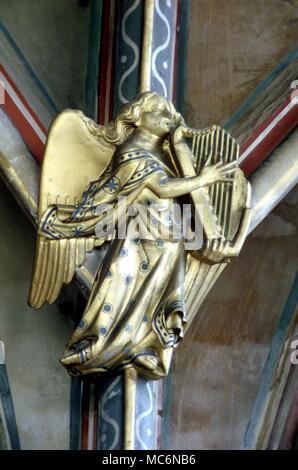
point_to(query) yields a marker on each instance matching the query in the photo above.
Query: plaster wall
(33, 340)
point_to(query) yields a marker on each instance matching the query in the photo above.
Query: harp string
(215, 187)
(232, 149)
(211, 147)
(223, 185)
(225, 207)
(221, 146)
(218, 199)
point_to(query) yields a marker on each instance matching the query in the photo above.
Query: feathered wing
(73, 157)
(55, 264)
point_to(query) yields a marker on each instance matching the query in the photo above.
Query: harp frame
(224, 207)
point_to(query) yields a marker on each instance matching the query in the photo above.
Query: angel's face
(157, 117)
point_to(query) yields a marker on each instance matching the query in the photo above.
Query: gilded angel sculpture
(148, 287)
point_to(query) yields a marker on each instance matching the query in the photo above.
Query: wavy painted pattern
(128, 46)
(163, 46)
(145, 415)
(110, 419)
(135, 49)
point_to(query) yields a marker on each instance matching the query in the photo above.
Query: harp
(222, 207)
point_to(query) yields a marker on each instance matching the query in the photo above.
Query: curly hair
(118, 130)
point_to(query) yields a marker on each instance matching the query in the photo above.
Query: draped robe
(135, 313)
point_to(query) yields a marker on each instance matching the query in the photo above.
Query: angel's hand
(220, 172)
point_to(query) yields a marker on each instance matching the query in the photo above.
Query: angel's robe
(135, 313)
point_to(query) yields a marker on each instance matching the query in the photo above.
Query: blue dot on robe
(103, 331)
(144, 266)
(163, 180)
(107, 308)
(128, 328)
(127, 280)
(145, 318)
(82, 324)
(123, 251)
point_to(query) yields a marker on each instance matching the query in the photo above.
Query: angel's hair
(118, 130)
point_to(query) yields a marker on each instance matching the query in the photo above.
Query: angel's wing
(73, 157)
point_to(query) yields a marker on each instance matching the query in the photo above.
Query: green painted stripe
(75, 414)
(166, 408)
(181, 65)
(91, 83)
(8, 409)
(272, 359)
(109, 395)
